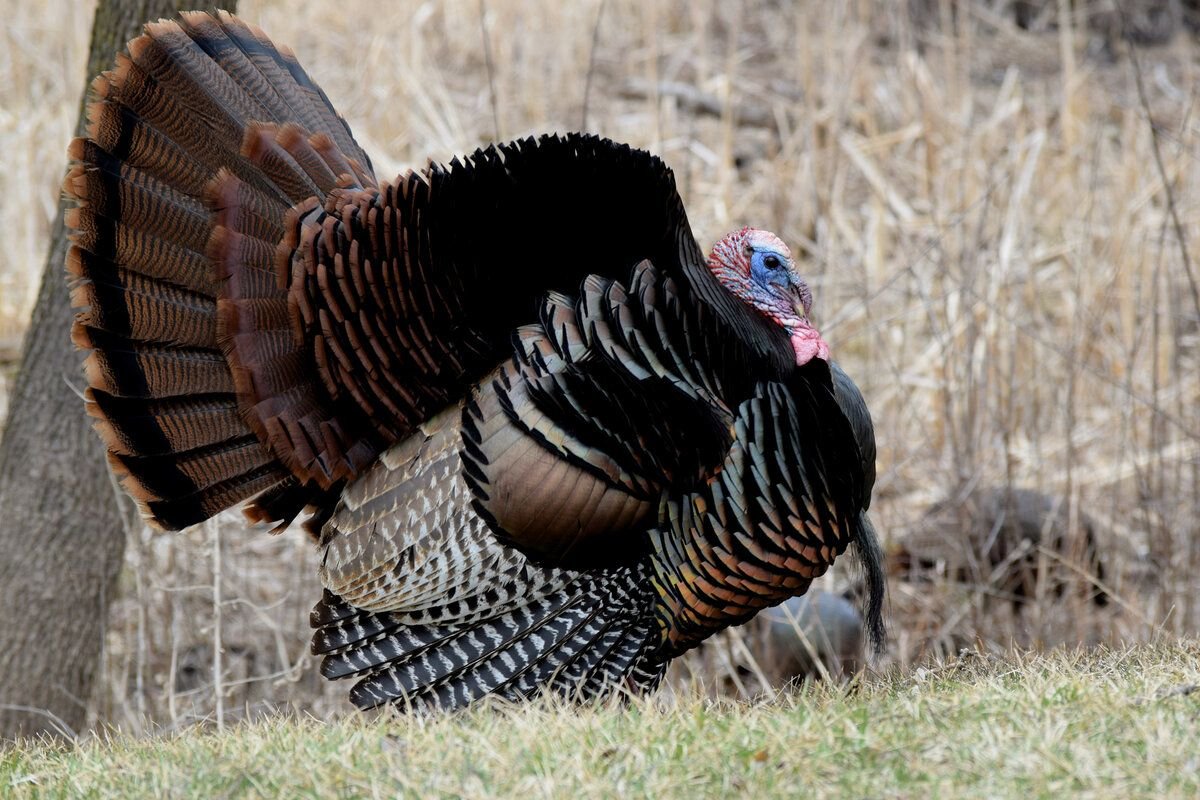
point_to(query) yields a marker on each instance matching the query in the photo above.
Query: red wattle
(808, 344)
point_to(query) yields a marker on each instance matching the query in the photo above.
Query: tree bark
(62, 535)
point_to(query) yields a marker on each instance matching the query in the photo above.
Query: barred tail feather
(578, 641)
(200, 141)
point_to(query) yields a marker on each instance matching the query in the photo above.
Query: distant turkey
(1005, 540)
(819, 628)
(546, 444)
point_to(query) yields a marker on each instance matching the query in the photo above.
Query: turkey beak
(798, 305)
(799, 294)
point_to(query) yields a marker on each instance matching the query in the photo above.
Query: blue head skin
(769, 269)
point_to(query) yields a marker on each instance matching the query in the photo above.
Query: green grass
(1108, 724)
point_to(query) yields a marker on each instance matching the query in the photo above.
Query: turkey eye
(772, 262)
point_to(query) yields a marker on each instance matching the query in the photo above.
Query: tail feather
(338, 162)
(202, 131)
(297, 93)
(161, 426)
(123, 192)
(244, 209)
(102, 246)
(141, 309)
(247, 61)
(117, 132)
(201, 139)
(137, 369)
(199, 82)
(262, 147)
(179, 474)
(293, 140)
(192, 87)
(186, 510)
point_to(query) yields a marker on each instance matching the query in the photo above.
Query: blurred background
(996, 203)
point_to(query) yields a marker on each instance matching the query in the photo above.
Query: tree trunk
(62, 536)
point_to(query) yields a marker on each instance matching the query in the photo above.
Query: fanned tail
(200, 141)
(581, 641)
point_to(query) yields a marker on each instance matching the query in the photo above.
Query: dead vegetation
(997, 223)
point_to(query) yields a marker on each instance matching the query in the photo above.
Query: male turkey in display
(546, 444)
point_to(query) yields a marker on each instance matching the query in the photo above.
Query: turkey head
(757, 268)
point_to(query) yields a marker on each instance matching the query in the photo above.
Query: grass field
(997, 223)
(1120, 724)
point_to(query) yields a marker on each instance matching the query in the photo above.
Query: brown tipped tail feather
(201, 140)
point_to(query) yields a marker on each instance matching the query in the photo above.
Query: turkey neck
(767, 342)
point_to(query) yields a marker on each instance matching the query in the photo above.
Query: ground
(1106, 724)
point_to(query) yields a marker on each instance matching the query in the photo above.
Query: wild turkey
(992, 537)
(817, 628)
(814, 636)
(547, 445)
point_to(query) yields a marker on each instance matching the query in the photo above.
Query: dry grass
(987, 231)
(1108, 724)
